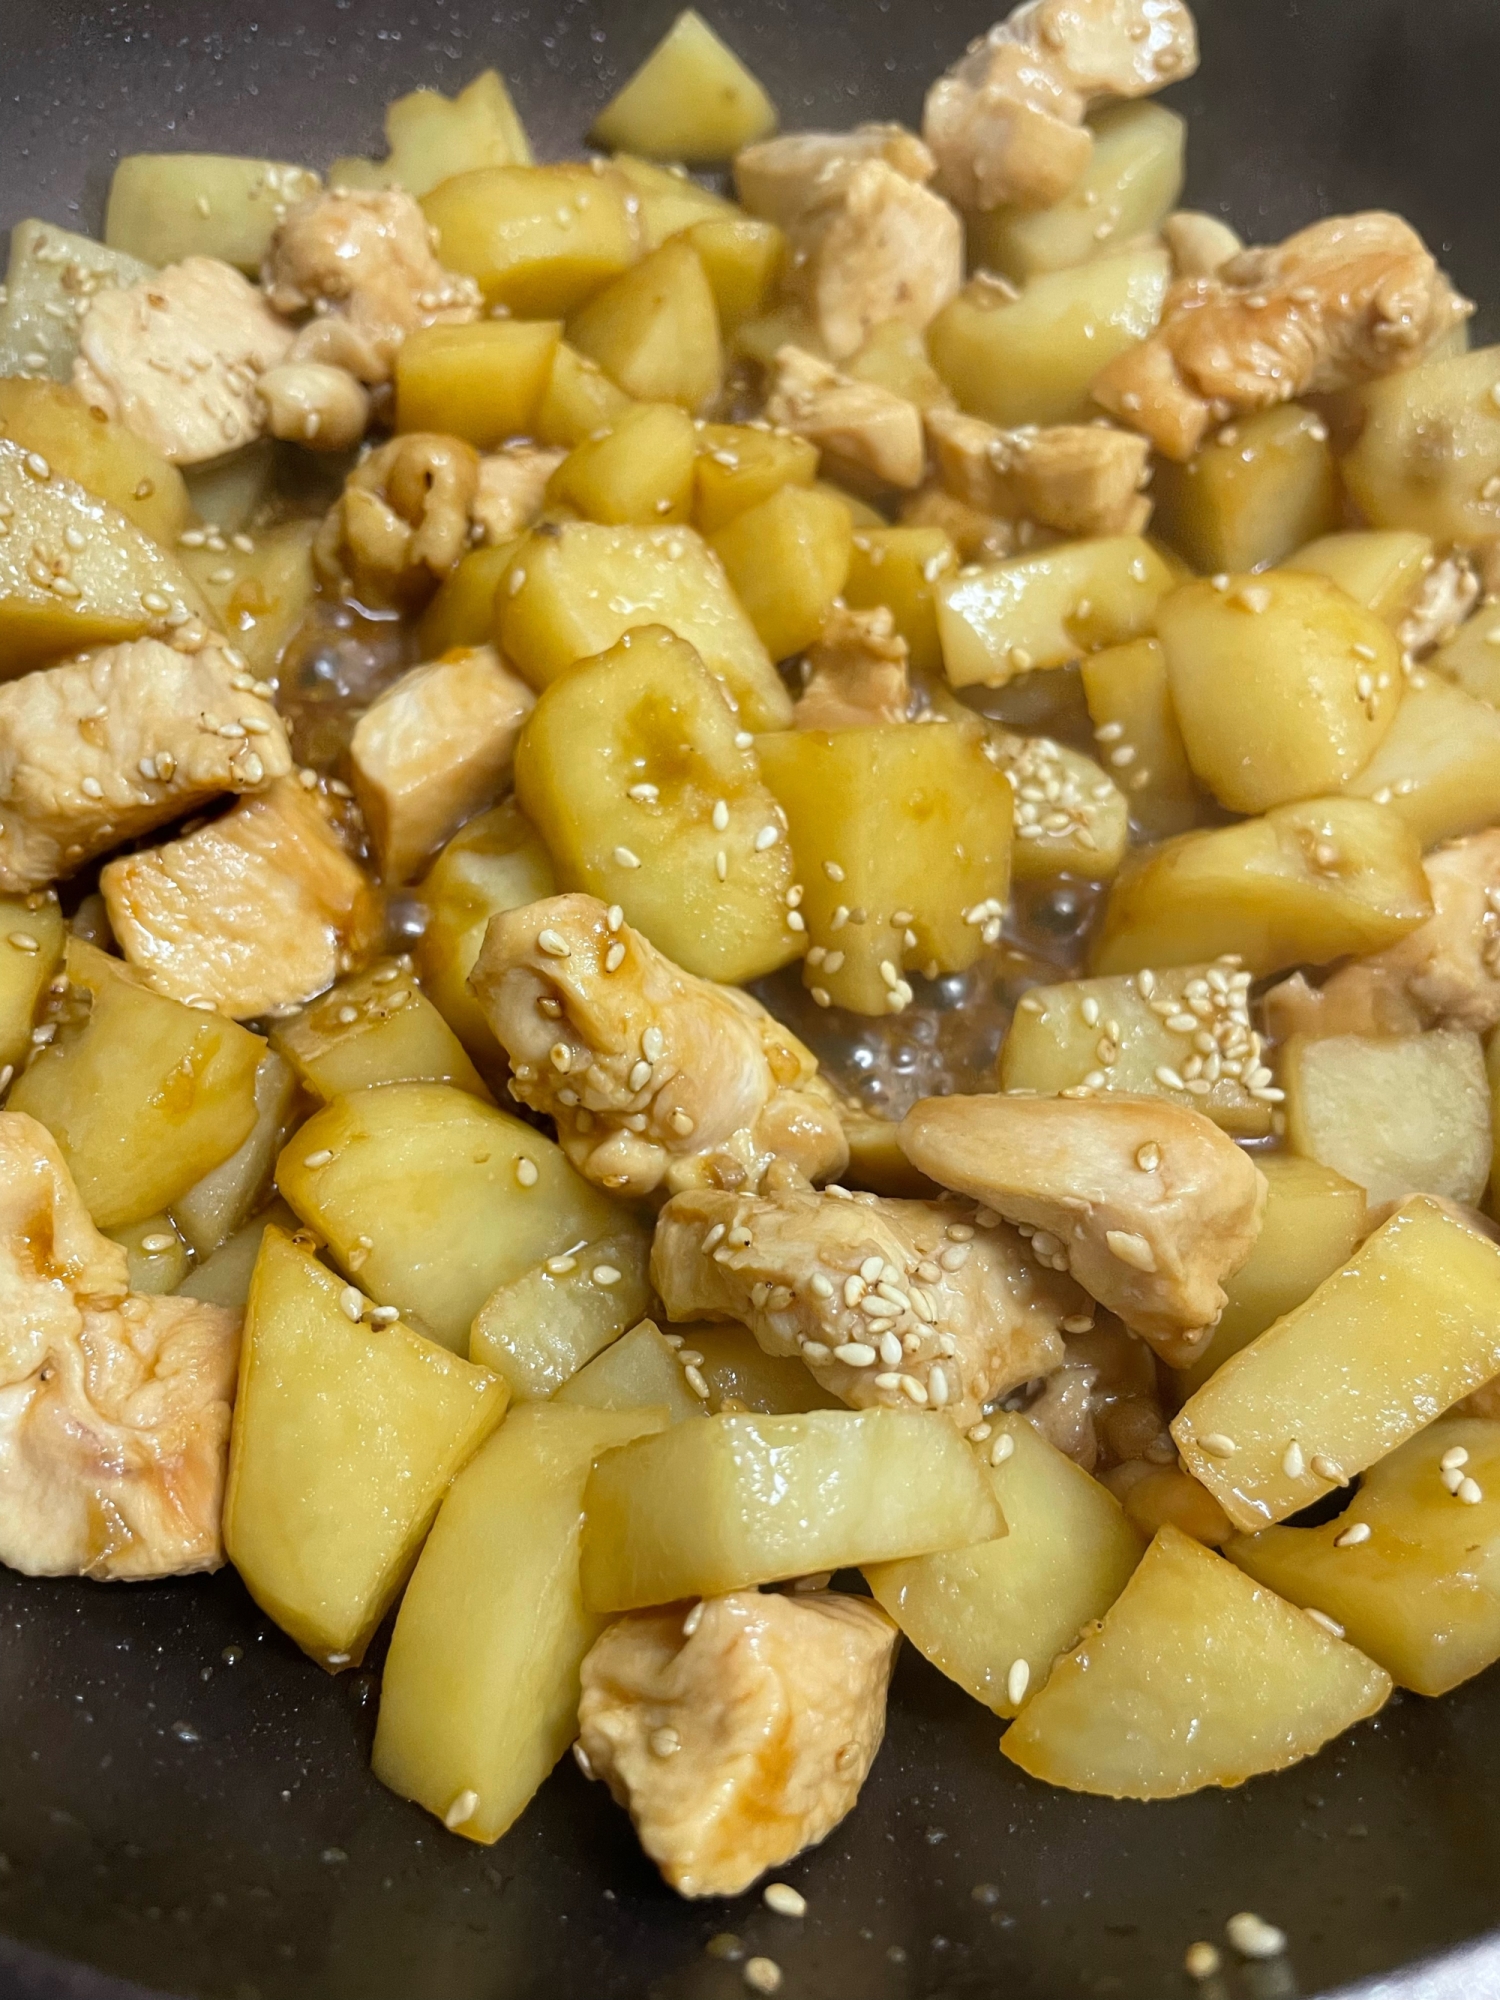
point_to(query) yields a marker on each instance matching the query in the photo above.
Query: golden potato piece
(432, 138)
(538, 1330)
(1250, 495)
(641, 470)
(34, 935)
(692, 99)
(901, 568)
(167, 206)
(98, 453)
(788, 560)
(1044, 610)
(483, 383)
(1439, 765)
(259, 598)
(639, 1371)
(738, 467)
(655, 330)
(218, 1206)
(1071, 817)
(377, 1027)
(1135, 725)
(1381, 568)
(536, 239)
(1428, 449)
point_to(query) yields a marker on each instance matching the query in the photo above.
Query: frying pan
(185, 1802)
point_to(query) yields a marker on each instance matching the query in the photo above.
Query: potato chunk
(1130, 705)
(1196, 1677)
(633, 773)
(538, 1330)
(479, 1697)
(788, 559)
(1429, 448)
(739, 1500)
(692, 99)
(1338, 1382)
(536, 239)
(1043, 610)
(738, 467)
(259, 599)
(347, 1434)
(641, 470)
(432, 138)
(50, 278)
(214, 1208)
(741, 1376)
(432, 1199)
(1251, 494)
(655, 330)
(1071, 817)
(167, 206)
(1303, 885)
(100, 454)
(483, 383)
(1381, 568)
(377, 1027)
(638, 1371)
(900, 568)
(578, 400)
(32, 928)
(1439, 765)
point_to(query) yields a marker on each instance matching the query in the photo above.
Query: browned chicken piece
(781, 179)
(1449, 592)
(887, 1302)
(114, 1409)
(976, 536)
(1081, 479)
(1338, 304)
(363, 264)
(739, 1732)
(1147, 1204)
(178, 358)
(311, 404)
(864, 432)
(401, 523)
(254, 914)
(1199, 244)
(512, 487)
(433, 750)
(857, 673)
(109, 745)
(656, 1078)
(1103, 1407)
(1449, 967)
(1006, 122)
(1357, 1000)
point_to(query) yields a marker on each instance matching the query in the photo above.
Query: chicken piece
(1006, 122)
(512, 489)
(1080, 479)
(1349, 299)
(254, 914)
(1199, 244)
(656, 1078)
(401, 523)
(1357, 1000)
(1450, 966)
(887, 1302)
(111, 744)
(363, 263)
(1147, 1204)
(860, 428)
(739, 1734)
(1449, 592)
(436, 748)
(114, 1409)
(178, 358)
(781, 179)
(1063, 1414)
(1103, 1406)
(977, 537)
(857, 673)
(309, 403)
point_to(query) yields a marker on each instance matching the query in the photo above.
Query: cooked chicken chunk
(107, 746)
(363, 264)
(435, 749)
(781, 179)
(178, 358)
(114, 1410)
(1450, 966)
(252, 915)
(1351, 298)
(1199, 244)
(1081, 479)
(861, 429)
(887, 1302)
(857, 673)
(1147, 1204)
(1357, 1000)
(656, 1078)
(402, 521)
(1006, 122)
(739, 1733)
(976, 536)
(309, 403)
(512, 487)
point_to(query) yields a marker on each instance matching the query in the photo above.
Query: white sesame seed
(23, 941)
(626, 858)
(1454, 1457)
(1130, 1249)
(318, 1159)
(1016, 1682)
(1470, 1492)
(1253, 1937)
(1217, 1445)
(614, 958)
(784, 1900)
(665, 1742)
(694, 1378)
(1201, 1960)
(720, 815)
(554, 944)
(640, 1075)
(526, 1172)
(762, 1975)
(1328, 1468)
(693, 1620)
(1293, 1465)
(1353, 1535)
(606, 1275)
(462, 1809)
(767, 837)
(352, 1303)
(855, 1354)
(1002, 1448)
(1329, 1625)
(157, 1242)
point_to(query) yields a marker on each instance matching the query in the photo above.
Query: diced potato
(691, 99)
(1054, 1044)
(1313, 1224)
(655, 330)
(788, 559)
(1303, 885)
(1081, 826)
(876, 1160)
(1068, 1553)
(1162, 1496)
(740, 1500)
(374, 1028)
(738, 467)
(1196, 1677)
(259, 599)
(479, 1696)
(742, 259)
(143, 1095)
(224, 1278)
(668, 201)
(901, 838)
(895, 357)
(639, 1371)
(576, 589)
(1340, 1381)
(463, 612)
(1129, 186)
(1471, 658)
(213, 1209)
(30, 954)
(87, 446)
(228, 493)
(640, 470)
(1031, 359)
(539, 240)
(1438, 768)
(156, 1256)
(902, 568)
(416, 1188)
(1419, 1590)
(761, 339)
(1043, 610)
(1283, 686)
(432, 138)
(541, 1328)
(649, 714)
(861, 513)
(497, 862)
(1398, 1114)
(741, 1376)
(1257, 490)
(1429, 449)
(167, 206)
(578, 400)
(483, 383)
(1130, 706)
(42, 516)
(1380, 568)
(51, 276)
(346, 1437)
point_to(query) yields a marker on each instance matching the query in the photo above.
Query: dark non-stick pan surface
(185, 1801)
